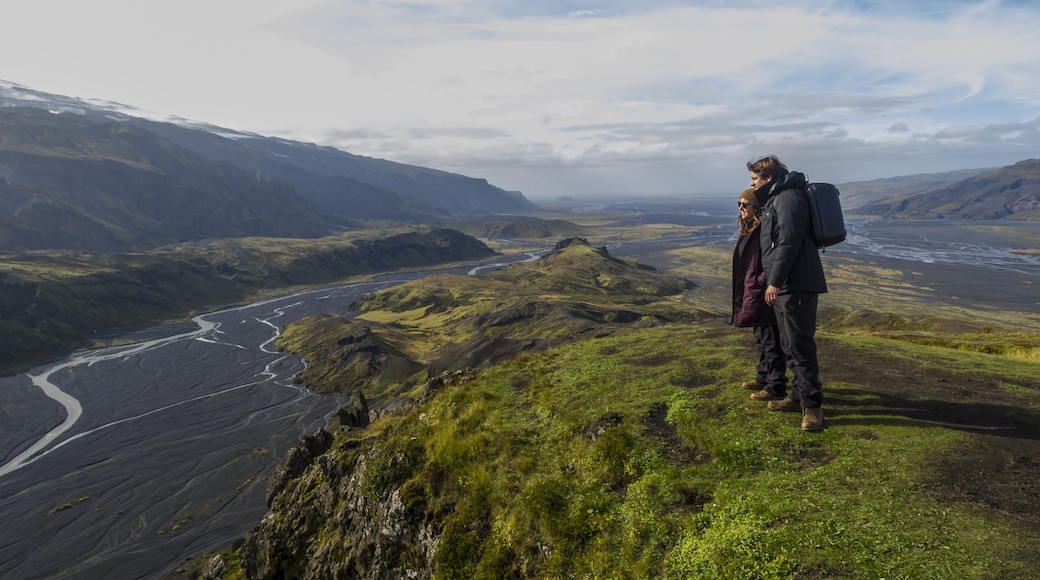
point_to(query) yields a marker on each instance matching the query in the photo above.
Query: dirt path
(1001, 471)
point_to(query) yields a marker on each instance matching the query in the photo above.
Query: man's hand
(772, 292)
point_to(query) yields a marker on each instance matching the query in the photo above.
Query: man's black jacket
(789, 255)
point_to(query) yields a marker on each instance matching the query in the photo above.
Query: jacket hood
(788, 180)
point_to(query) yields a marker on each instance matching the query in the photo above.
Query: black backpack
(828, 222)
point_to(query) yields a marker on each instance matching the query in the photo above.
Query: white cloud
(557, 98)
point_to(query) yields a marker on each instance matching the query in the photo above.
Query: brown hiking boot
(764, 395)
(786, 404)
(812, 419)
(754, 385)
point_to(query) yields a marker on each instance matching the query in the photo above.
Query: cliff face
(325, 525)
(338, 509)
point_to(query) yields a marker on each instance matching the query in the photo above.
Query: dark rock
(352, 415)
(327, 526)
(214, 569)
(297, 460)
(436, 383)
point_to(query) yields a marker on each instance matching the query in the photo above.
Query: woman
(750, 308)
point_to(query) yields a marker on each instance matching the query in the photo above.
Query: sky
(569, 97)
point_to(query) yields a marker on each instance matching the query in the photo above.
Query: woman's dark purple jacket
(749, 284)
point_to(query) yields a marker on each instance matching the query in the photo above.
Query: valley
(982, 272)
(177, 436)
(180, 432)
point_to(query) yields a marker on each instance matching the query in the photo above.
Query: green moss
(389, 465)
(559, 465)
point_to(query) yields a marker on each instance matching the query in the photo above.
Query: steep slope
(858, 193)
(409, 343)
(316, 172)
(351, 185)
(1011, 192)
(70, 183)
(308, 166)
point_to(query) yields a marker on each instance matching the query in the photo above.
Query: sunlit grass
(630, 452)
(553, 467)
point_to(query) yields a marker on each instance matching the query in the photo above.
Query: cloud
(570, 97)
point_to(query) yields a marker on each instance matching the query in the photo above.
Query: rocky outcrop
(352, 415)
(326, 524)
(296, 461)
(340, 507)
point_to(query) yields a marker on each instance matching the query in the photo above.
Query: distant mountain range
(67, 182)
(105, 177)
(1011, 192)
(91, 175)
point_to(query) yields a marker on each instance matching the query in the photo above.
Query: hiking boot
(764, 395)
(812, 419)
(786, 404)
(753, 385)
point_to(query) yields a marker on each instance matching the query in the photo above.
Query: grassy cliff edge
(621, 447)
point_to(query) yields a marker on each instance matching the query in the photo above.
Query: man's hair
(769, 166)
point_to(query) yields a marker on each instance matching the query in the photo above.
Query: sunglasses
(743, 204)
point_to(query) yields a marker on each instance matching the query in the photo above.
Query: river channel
(123, 462)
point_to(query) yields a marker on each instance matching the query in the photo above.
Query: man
(794, 279)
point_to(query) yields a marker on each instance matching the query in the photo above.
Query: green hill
(611, 441)
(447, 323)
(521, 228)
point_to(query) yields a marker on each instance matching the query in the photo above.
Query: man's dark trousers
(796, 317)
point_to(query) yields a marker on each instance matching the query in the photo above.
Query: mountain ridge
(857, 193)
(1011, 192)
(72, 183)
(359, 187)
